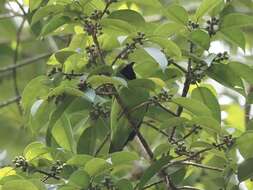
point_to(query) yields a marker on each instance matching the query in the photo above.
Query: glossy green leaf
(245, 170)
(123, 157)
(124, 184)
(130, 16)
(79, 179)
(34, 4)
(36, 150)
(153, 170)
(97, 166)
(234, 20)
(223, 74)
(194, 106)
(62, 133)
(200, 38)
(19, 185)
(206, 96)
(46, 11)
(53, 24)
(98, 80)
(169, 47)
(242, 70)
(79, 160)
(205, 7)
(235, 35)
(211, 125)
(177, 14)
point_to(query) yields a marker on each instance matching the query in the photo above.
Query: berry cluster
(99, 110)
(21, 162)
(228, 140)
(163, 96)
(92, 53)
(57, 168)
(130, 47)
(92, 28)
(83, 85)
(53, 71)
(221, 57)
(212, 26)
(96, 15)
(198, 73)
(193, 25)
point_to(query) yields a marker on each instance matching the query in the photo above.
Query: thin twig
(156, 128)
(9, 16)
(193, 130)
(25, 62)
(153, 184)
(188, 188)
(95, 40)
(10, 101)
(15, 59)
(48, 174)
(139, 135)
(202, 166)
(179, 67)
(102, 144)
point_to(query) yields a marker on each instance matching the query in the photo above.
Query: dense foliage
(127, 101)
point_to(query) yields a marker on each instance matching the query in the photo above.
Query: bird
(125, 132)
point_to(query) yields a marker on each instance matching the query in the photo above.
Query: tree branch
(10, 101)
(202, 166)
(15, 59)
(25, 62)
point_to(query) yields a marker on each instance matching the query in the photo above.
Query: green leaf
(79, 179)
(177, 14)
(201, 38)
(245, 170)
(194, 106)
(207, 123)
(168, 29)
(96, 166)
(242, 70)
(161, 149)
(130, 16)
(98, 80)
(169, 47)
(223, 74)
(123, 157)
(124, 184)
(235, 36)
(19, 185)
(87, 141)
(244, 144)
(153, 170)
(62, 133)
(117, 27)
(7, 171)
(35, 89)
(36, 150)
(34, 4)
(79, 160)
(234, 20)
(205, 7)
(206, 96)
(46, 11)
(53, 24)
